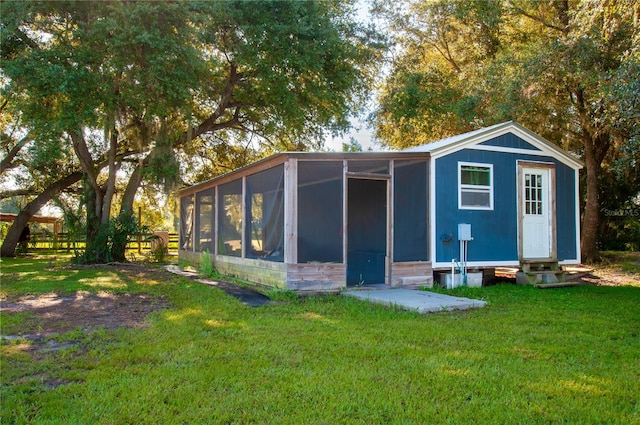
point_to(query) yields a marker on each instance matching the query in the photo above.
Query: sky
(359, 131)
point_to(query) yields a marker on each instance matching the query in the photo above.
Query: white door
(536, 214)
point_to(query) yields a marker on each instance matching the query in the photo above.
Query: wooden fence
(62, 242)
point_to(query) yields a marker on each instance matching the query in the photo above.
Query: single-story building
(494, 197)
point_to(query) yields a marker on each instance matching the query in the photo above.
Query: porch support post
(290, 211)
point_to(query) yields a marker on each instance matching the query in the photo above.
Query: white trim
(509, 263)
(572, 261)
(576, 207)
(473, 139)
(503, 149)
(481, 189)
(431, 210)
(489, 264)
(548, 208)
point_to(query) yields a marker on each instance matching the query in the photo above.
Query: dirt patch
(54, 314)
(611, 278)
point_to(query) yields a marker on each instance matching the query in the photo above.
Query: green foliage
(282, 295)
(558, 356)
(159, 250)
(205, 265)
(166, 89)
(110, 242)
(74, 225)
(566, 70)
(3, 230)
(352, 146)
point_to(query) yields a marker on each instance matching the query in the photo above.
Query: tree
(553, 66)
(41, 168)
(134, 83)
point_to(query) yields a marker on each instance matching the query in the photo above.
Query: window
(533, 194)
(475, 186)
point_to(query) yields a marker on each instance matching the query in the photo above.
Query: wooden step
(540, 271)
(557, 285)
(541, 264)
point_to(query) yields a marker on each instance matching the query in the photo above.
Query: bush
(206, 266)
(159, 250)
(111, 240)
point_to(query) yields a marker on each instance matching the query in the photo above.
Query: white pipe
(453, 272)
(466, 247)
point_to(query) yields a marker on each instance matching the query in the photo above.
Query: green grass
(567, 355)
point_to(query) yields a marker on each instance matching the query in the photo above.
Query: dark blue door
(366, 232)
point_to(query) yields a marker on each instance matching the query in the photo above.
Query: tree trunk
(111, 179)
(588, 240)
(13, 235)
(126, 206)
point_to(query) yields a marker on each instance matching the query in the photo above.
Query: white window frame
(475, 188)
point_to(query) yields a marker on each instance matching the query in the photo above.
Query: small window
(475, 186)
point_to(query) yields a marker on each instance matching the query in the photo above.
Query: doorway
(367, 231)
(536, 206)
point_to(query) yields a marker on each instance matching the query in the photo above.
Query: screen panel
(320, 199)
(204, 237)
(186, 223)
(265, 215)
(410, 211)
(230, 219)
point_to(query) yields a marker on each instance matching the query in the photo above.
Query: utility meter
(464, 232)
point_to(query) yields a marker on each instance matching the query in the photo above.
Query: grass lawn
(568, 355)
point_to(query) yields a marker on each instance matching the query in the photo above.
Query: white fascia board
(432, 210)
(577, 208)
(545, 147)
(479, 264)
(569, 262)
(491, 264)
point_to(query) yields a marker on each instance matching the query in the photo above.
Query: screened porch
(314, 221)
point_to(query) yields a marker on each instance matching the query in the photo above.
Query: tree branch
(6, 162)
(210, 124)
(539, 20)
(17, 192)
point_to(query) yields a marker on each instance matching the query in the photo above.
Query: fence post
(139, 226)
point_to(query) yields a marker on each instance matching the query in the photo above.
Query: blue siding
(565, 212)
(495, 233)
(509, 140)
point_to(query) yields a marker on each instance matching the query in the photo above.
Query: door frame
(387, 178)
(551, 202)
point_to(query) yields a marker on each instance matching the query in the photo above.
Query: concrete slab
(416, 300)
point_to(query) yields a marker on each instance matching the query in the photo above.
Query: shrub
(206, 266)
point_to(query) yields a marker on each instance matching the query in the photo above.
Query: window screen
(186, 223)
(475, 186)
(375, 167)
(230, 219)
(205, 220)
(265, 215)
(410, 211)
(320, 198)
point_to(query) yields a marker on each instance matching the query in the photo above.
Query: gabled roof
(475, 139)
